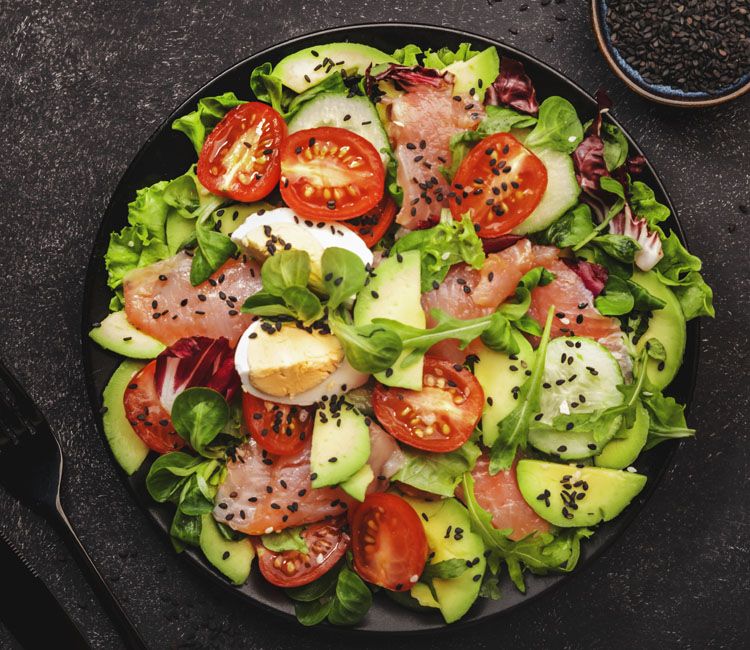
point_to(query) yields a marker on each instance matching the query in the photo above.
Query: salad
(404, 327)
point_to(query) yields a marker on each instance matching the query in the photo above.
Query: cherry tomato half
(441, 416)
(330, 173)
(144, 410)
(500, 182)
(277, 428)
(388, 542)
(326, 542)
(372, 226)
(241, 156)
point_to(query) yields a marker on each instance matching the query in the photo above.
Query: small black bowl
(660, 93)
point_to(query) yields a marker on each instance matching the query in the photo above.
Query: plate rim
(193, 557)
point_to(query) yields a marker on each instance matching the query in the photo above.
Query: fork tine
(23, 400)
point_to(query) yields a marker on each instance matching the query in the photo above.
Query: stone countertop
(83, 85)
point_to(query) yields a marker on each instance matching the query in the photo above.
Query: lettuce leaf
(209, 112)
(289, 539)
(411, 55)
(557, 127)
(442, 246)
(439, 473)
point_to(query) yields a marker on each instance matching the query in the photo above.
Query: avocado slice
(498, 374)
(179, 230)
(231, 217)
(340, 444)
(308, 67)
(627, 444)
(127, 448)
(115, 333)
(544, 487)
(357, 485)
(448, 529)
(233, 559)
(394, 291)
(668, 326)
(479, 72)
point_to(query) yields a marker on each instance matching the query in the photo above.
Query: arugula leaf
(446, 570)
(558, 126)
(344, 275)
(289, 539)
(514, 428)
(199, 415)
(540, 553)
(442, 246)
(439, 473)
(667, 419)
(418, 341)
(285, 269)
(490, 587)
(368, 348)
(209, 112)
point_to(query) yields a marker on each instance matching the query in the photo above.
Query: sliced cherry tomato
(441, 416)
(500, 182)
(330, 173)
(145, 412)
(326, 541)
(241, 156)
(277, 428)
(372, 226)
(388, 542)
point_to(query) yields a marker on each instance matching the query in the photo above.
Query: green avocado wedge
(668, 326)
(447, 526)
(233, 559)
(115, 333)
(127, 448)
(554, 492)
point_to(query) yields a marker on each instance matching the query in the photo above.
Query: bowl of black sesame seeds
(688, 53)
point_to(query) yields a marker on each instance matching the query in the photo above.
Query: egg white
(343, 379)
(327, 233)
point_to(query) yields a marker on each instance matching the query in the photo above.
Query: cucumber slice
(115, 333)
(356, 114)
(561, 193)
(580, 376)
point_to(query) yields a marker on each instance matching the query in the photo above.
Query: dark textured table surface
(83, 84)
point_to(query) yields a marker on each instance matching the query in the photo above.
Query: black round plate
(168, 153)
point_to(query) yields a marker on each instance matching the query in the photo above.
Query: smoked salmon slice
(421, 122)
(160, 301)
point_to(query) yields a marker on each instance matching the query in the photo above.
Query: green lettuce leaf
(557, 127)
(442, 246)
(644, 204)
(209, 112)
(439, 473)
(289, 539)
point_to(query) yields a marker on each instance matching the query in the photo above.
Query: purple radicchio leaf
(513, 88)
(196, 361)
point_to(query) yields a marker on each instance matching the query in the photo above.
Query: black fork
(31, 464)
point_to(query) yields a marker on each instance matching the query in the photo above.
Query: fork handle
(107, 598)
